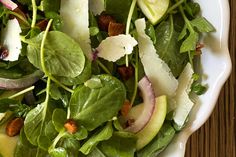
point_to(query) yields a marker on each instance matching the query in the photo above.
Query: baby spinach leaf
(72, 146)
(120, 144)
(58, 152)
(59, 119)
(92, 107)
(162, 139)
(50, 130)
(118, 8)
(57, 22)
(34, 123)
(63, 56)
(168, 47)
(84, 76)
(44, 142)
(96, 153)
(99, 136)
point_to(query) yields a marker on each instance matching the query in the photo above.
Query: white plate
(216, 67)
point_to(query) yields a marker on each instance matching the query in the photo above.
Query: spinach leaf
(72, 146)
(168, 46)
(150, 31)
(99, 136)
(50, 130)
(159, 143)
(96, 153)
(84, 76)
(59, 119)
(92, 107)
(121, 144)
(192, 8)
(34, 123)
(57, 22)
(63, 56)
(118, 8)
(58, 152)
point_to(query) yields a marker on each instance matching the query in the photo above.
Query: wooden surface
(217, 138)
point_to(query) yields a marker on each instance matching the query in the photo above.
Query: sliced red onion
(23, 82)
(148, 95)
(9, 4)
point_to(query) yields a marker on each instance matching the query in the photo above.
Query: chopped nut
(125, 108)
(115, 28)
(126, 72)
(104, 21)
(199, 49)
(14, 126)
(71, 126)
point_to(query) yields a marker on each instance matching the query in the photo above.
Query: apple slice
(145, 135)
(154, 10)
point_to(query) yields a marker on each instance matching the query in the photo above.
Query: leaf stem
(131, 11)
(176, 5)
(21, 92)
(186, 19)
(19, 16)
(34, 18)
(43, 63)
(103, 67)
(56, 140)
(136, 78)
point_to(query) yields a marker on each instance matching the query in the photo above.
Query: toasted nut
(199, 49)
(14, 126)
(126, 72)
(115, 28)
(125, 108)
(104, 20)
(71, 126)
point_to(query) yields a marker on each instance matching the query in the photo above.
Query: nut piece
(14, 126)
(42, 24)
(3, 52)
(104, 21)
(115, 28)
(71, 126)
(125, 108)
(126, 72)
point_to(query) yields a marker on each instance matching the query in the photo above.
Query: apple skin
(145, 135)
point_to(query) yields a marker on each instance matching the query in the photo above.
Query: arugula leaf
(99, 136)
(202, 25)
(192, 8)
(92, 107)
(118, 8)
(168, 47)
(162, 139)
(120, 144)
(63, 56)
(189, 44)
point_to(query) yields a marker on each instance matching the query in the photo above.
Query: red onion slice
(20, 83)
(143, 118)
(9, 4)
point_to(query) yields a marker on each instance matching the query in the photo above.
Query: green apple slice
(145, 135)
(154, 10)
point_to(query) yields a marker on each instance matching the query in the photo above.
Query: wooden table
(217, 138)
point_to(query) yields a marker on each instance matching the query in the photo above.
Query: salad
(104, 78)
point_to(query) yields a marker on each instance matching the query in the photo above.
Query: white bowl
(216, 68)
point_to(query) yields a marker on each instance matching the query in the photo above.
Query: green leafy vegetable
(59, 119)
(63, 56)
(100, 135)
(92, 107)
(121, 144)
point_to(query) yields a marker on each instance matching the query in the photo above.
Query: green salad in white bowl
(98, 78)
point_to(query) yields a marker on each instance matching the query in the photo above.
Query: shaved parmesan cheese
(163, 81)
(97, 6)
(183, 102)
(11, 40)
(115, 47)
(75, 15)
